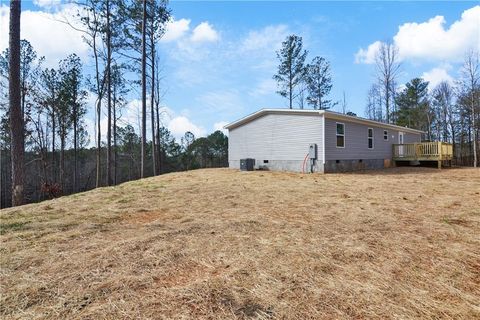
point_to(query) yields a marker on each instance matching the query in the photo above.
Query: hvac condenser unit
(247, 164)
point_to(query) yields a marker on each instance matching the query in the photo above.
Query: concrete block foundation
(333, 166)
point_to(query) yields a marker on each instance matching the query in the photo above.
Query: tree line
(449, 112)
(44, 141)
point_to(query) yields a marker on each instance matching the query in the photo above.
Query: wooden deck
(423, 151)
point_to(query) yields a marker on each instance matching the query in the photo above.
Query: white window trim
(340, 135)
(385, 135)
(372, 137)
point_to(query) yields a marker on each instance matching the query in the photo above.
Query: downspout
(322, 113)
(323, 147)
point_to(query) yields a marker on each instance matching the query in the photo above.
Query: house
(314, 141)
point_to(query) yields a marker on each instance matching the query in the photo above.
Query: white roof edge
(261, 112)
(327, 113)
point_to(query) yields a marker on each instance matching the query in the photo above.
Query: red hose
(303, 165)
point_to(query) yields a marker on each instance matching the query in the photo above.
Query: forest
(58, 157)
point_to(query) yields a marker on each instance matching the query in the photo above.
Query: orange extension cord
(303, 165)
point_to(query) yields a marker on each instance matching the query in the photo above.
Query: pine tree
(144, 91)
(72, 107)
(414, 106)
(291, 70)
(92, 18)
(319, 83)
(50, 87)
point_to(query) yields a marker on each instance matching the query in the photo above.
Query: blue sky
(219, 57)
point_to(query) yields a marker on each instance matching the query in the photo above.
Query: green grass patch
(14, 226)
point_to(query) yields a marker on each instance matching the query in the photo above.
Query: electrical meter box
(312, 151)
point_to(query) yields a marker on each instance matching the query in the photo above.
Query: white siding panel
(276, 137)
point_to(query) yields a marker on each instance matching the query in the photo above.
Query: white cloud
(180, 124)
(176, 29)
(48, 36)
(269, 38)
(437, 75)
(204, 32)
(260, 46)
(432, 40)
(401, 87)
(177, 124)
(220, 126)
(47, 3)
(187, 45)
(225, 101)
(131, 114)
(368, 55)
(265, 87)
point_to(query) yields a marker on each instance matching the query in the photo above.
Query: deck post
(439, 164)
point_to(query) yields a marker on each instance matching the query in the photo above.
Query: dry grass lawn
(400, 243)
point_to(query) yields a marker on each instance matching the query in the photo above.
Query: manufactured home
(317, 141)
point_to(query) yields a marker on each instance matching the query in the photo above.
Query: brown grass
(399, 243)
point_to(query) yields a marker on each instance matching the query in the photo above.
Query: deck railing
(435, 151)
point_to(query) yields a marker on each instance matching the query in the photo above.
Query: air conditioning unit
(247, 164)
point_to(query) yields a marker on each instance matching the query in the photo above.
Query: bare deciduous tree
(388, 68)
(443, 103)
(471, 79)
(373, 109)
(109, 93)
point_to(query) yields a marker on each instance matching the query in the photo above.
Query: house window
(385, 135)
(370, 138)
(340, 135)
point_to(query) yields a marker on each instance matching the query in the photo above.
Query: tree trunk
(75, 127)
(62, 157)
(98, 110)
(16, 116)
(144, 92)
(23, 91)
(387, 101)
(109, 99)
(474, 136)
(158, 125)
(114, 135)
(159, 146)
(290, 87)
(54, 171)
(152, 103)
(99, 140)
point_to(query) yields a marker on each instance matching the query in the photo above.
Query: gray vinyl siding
(276, 137)
(356, 141)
